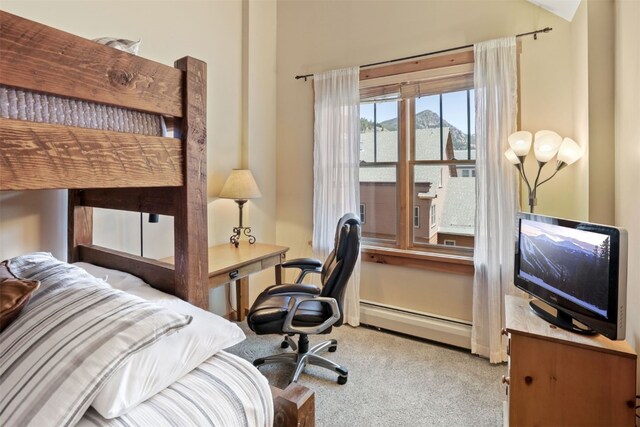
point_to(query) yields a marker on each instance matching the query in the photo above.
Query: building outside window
(416, 217)
(363, 213)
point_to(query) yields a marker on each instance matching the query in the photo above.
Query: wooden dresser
(559, 378)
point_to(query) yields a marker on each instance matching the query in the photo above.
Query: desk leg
(278, 274)
(242, 297)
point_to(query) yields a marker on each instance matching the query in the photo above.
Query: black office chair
(305, 309)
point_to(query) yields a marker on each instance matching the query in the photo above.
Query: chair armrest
(294, 304)
(303, 263)
(306, 266)
(298, 288)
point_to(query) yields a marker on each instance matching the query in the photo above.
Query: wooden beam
(158, 274)
(428, 63)
(44, 156)
(190, 221)
(160, 200)
(40, 58)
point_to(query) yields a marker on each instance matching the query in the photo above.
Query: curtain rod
(534, 33)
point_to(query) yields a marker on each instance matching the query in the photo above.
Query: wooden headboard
(108, 169)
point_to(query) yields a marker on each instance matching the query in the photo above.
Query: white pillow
(158, 366)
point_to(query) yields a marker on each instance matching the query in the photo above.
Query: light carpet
(393, 380)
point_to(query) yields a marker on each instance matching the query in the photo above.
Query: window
(432, 215)
(379, 188)
(363, 213)
(467, 172)
(418, 152)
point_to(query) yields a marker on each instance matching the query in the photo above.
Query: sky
(454, 109)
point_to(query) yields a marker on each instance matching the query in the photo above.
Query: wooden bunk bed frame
(114, 170)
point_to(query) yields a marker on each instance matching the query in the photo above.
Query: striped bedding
(74, 333)
(224, 391)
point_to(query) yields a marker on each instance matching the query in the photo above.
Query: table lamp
(240, 186)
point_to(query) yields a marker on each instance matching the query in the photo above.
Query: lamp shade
(520, 143)
(546, 145)
(569, 151)
(240, 185)
(511, 156)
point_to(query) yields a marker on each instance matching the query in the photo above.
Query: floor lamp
(547, 144)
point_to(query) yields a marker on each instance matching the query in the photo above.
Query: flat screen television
(578, 268)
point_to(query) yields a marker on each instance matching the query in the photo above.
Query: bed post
(80, 225)
(190, 220)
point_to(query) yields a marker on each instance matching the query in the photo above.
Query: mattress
(19, 104)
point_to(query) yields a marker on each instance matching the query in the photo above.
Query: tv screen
(578, 268)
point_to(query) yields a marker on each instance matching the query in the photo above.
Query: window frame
(404, 251)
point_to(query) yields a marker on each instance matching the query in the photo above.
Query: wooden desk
(230, 264)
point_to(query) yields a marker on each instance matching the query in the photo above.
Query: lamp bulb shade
(240, 186)
(520, 143)
(569, 151)
(511, 156)
(546, 145)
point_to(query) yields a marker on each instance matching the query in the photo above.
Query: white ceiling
(563, 8)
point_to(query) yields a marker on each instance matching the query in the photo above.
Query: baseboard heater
(415, 323)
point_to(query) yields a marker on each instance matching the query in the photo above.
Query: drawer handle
(233, 274)
(505, 380)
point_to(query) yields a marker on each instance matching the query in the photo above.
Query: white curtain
(336, 157)
(496, 109)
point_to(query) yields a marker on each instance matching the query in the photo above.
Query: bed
(121, 166)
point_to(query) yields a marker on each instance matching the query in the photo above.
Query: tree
(366, 124)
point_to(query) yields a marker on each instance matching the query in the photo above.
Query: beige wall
(600, 36)
(322, 35)
(580, 80)
(627, 152)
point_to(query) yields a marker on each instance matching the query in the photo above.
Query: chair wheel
(342, 380)
(284, 344)
(333, 348)
(258, 362)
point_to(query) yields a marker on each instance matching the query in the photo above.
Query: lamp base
(238, 232)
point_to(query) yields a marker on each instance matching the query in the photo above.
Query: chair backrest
(339, 265)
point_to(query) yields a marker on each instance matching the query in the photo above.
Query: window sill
(417, 259)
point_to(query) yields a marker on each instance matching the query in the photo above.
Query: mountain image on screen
(572, 262)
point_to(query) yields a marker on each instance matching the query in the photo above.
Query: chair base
(304, 357)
